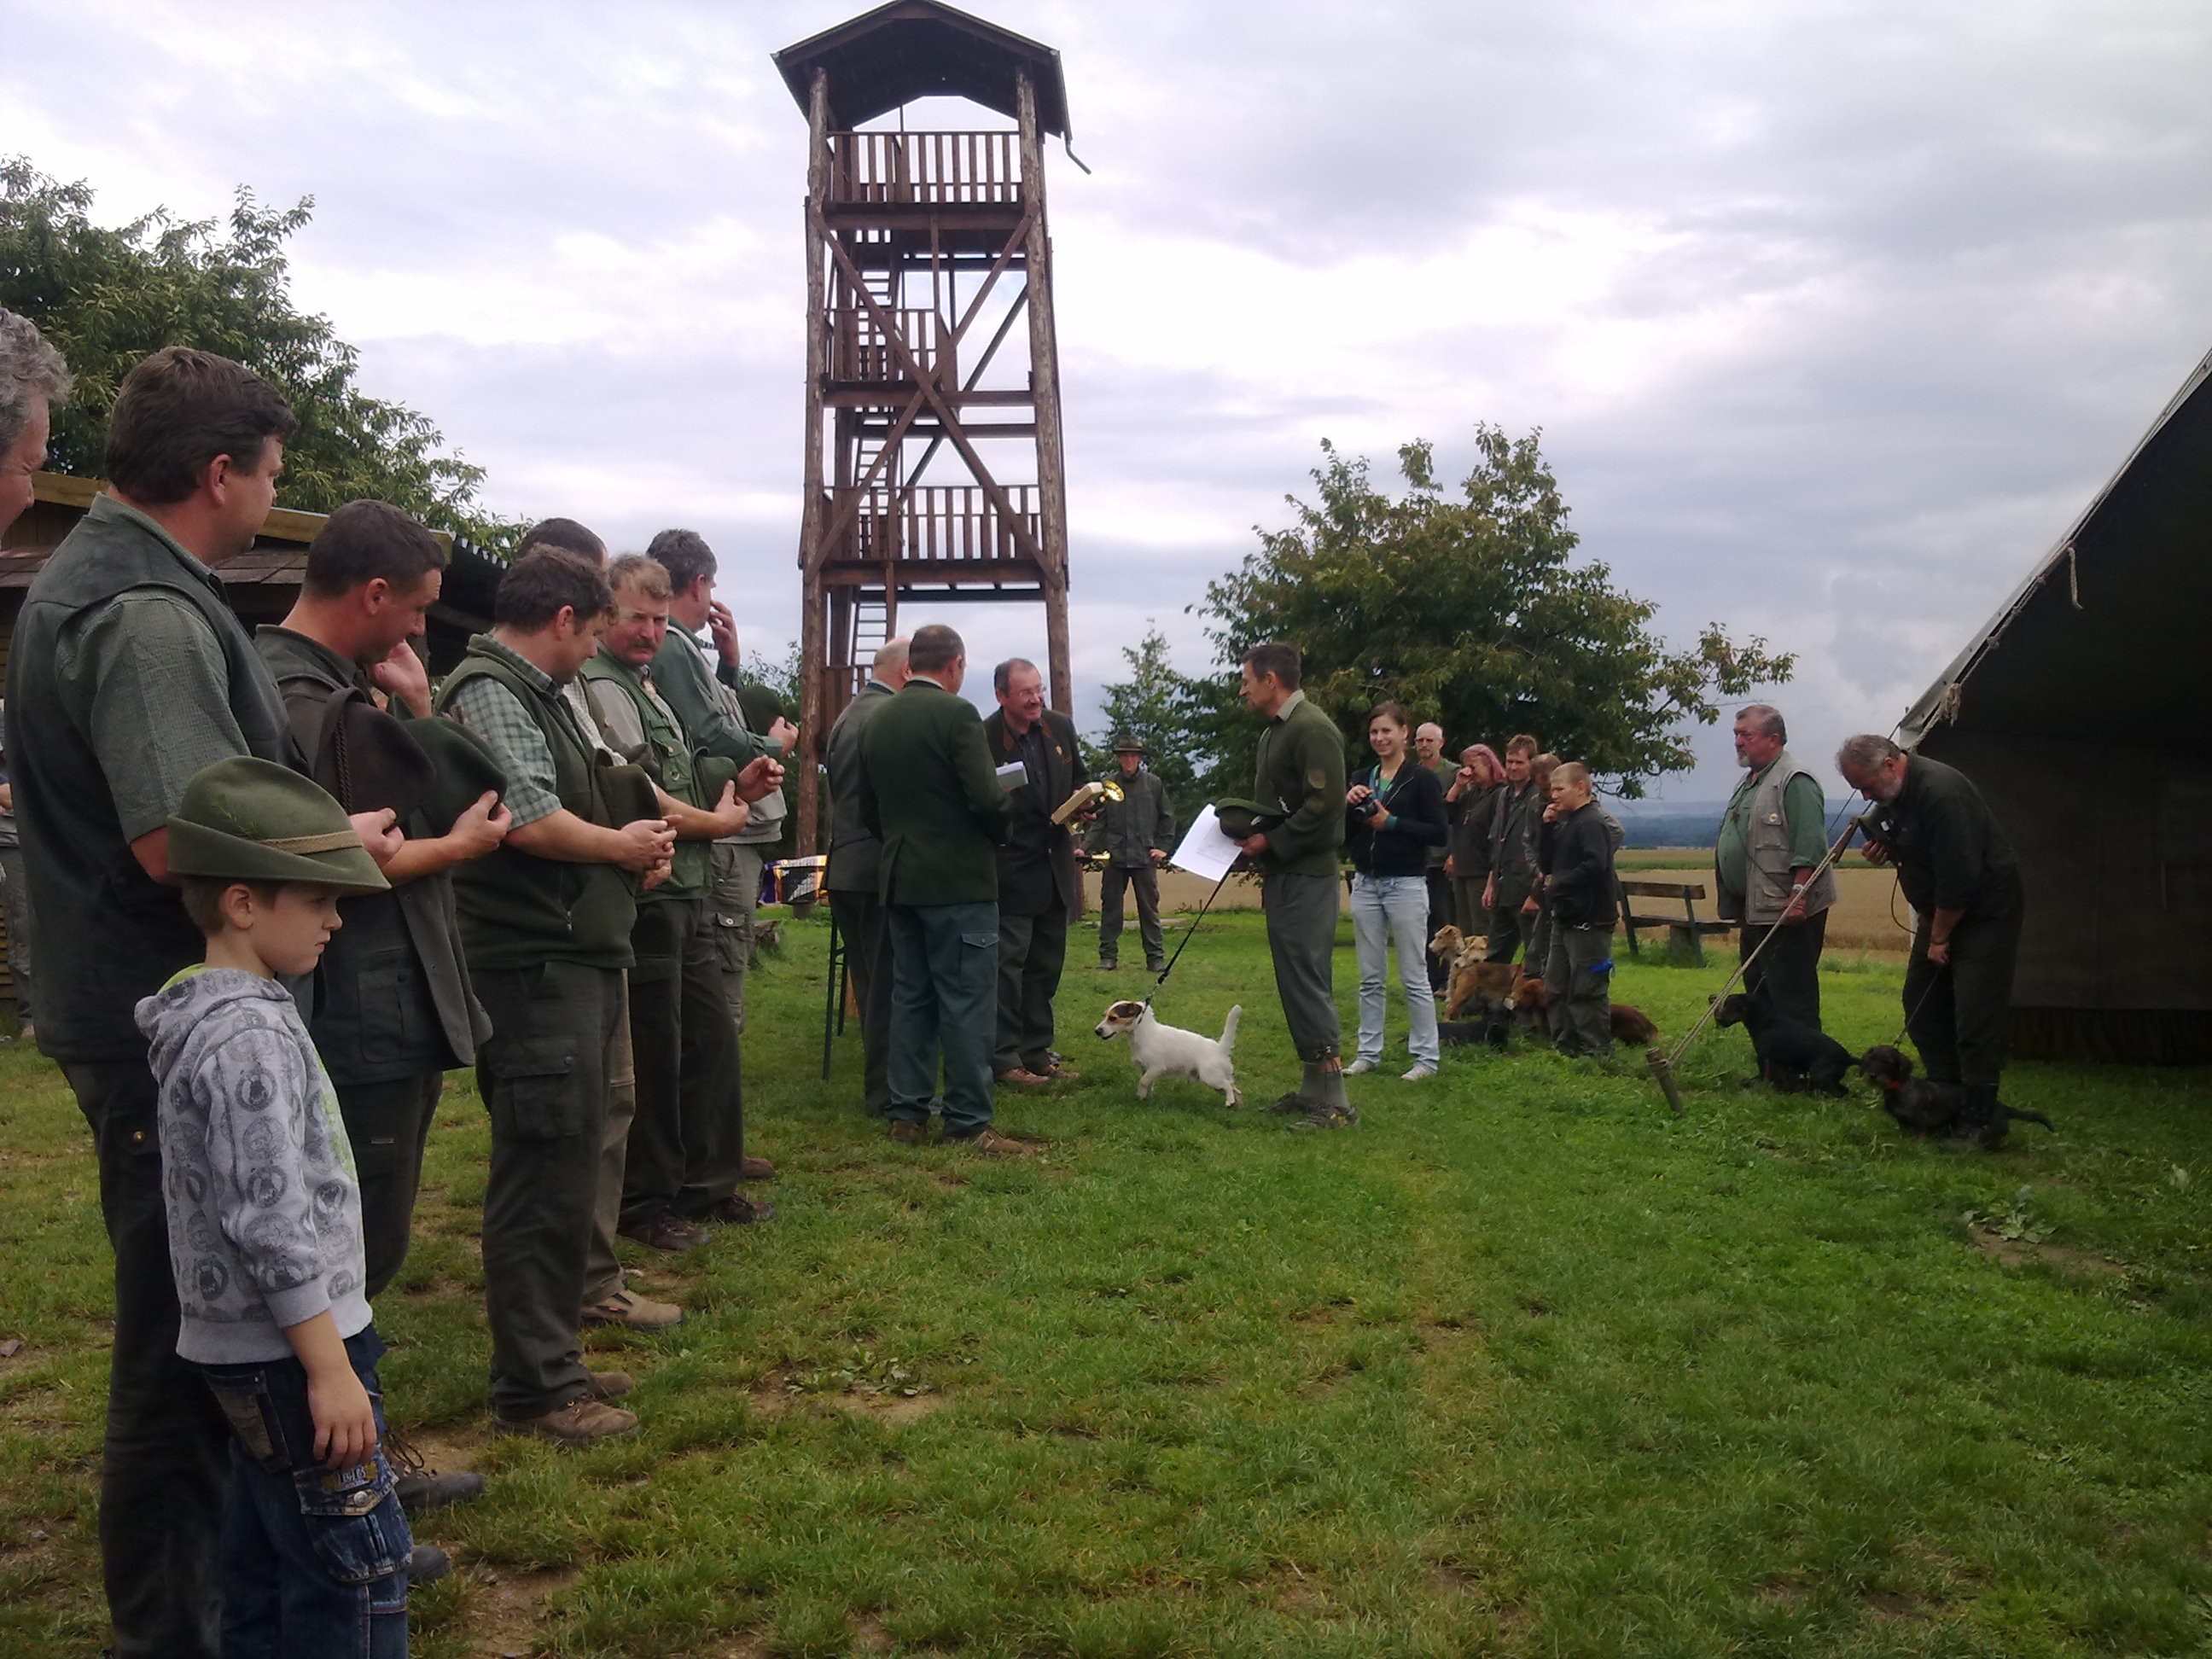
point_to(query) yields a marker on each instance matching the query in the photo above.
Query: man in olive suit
(929, 791)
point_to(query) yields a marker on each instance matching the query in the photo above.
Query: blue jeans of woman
(314, 1560)
(1389, 911)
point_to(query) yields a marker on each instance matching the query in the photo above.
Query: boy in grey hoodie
(265, 1222)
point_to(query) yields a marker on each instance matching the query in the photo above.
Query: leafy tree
(1170, 714)
(1467, 611)
(106, 297)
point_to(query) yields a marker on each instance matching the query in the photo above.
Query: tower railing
(933, 524)
(982, 167)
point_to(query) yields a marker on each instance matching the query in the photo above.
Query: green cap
(248, 819)
(1241, 819)
(1127, 744)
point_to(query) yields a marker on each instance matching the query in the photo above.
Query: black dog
(1792, 1057)
(1465, 1033)
(1940, 1111)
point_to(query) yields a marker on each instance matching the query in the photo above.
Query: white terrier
(1168, 1051)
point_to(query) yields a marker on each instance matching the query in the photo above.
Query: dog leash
(1189, 932)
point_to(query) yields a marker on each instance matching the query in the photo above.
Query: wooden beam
(812, 739)
(1044, 384)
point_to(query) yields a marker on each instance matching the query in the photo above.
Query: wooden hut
(2104, 782)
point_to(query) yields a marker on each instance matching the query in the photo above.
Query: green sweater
(1301, 769)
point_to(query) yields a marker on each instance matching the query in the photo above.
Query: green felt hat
(463, 770)
(713, 771)
(248, 819)
(1126, 745)
(1241, 819)
(627, 793)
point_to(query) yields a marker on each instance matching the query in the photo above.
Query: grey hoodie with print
(265, 1212)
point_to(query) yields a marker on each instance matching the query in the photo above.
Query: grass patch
(1522, 1366)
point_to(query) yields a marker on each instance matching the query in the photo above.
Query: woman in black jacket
(1396, 813)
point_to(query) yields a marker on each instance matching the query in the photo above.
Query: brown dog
(1476, 985)
(1630, 1024)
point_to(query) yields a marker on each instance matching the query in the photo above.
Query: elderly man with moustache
(682, 1161)
(928, 790)
(1038, 887)
(1772, 836)
(856, 865)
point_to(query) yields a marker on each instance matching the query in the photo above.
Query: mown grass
(1524, 1366)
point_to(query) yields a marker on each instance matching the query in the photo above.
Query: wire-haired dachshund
(1940, 1111)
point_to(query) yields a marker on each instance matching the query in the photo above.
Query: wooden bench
(1685, 933)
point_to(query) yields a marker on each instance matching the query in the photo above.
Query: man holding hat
(127, 673)
(392, 1010)
(686, 1146)
(546, 921)
(1294, 840)
(1135, 833)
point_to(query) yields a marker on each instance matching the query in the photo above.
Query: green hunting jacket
(1301, 769)
(671, 763)
(928, 789)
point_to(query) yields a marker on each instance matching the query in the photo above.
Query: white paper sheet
(1012, 775)
(1206, 849)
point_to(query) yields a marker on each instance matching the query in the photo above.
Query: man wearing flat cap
(1135, 833)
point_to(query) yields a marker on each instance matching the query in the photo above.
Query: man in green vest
(546, 922)
(1136, 833)
(128, 672)
(1772, 836)
(1300, 776)
(687, 1139)
(389, 1005)
(706, 699)
(1429, 750)
(929, 792)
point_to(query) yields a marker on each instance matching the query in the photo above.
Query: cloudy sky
(1833, 315)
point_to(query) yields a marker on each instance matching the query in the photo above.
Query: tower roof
(913, 49)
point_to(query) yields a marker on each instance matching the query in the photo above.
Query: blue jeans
(314, 1561)
(1387, 909)
(944, 982)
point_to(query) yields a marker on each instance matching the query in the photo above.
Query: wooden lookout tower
(933, 458)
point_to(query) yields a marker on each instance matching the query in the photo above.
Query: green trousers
(1302, 914)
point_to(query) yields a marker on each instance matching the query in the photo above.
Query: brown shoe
(906, 1133)
(991, 1144)
(636, 1312)
(609, 1385)
(1059, 1074)
(1022, 1077)
(755, 1168)
(583, 1421)
(665, 1231)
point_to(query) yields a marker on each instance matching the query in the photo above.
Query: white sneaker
(1419, 1074)
(1359, 1068)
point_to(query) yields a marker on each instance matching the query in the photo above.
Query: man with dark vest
(855, 868)
(1038, 887)
(681, 1172)
(927, 792)
(1299, 785)
(389, 1006)
(1513, 826)
(1429, 750)
(127, 673)
(1136, 833)
(546, 922)
(1959, 877)
(1772, 836)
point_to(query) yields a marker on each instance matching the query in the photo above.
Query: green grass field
(1524, 1366)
